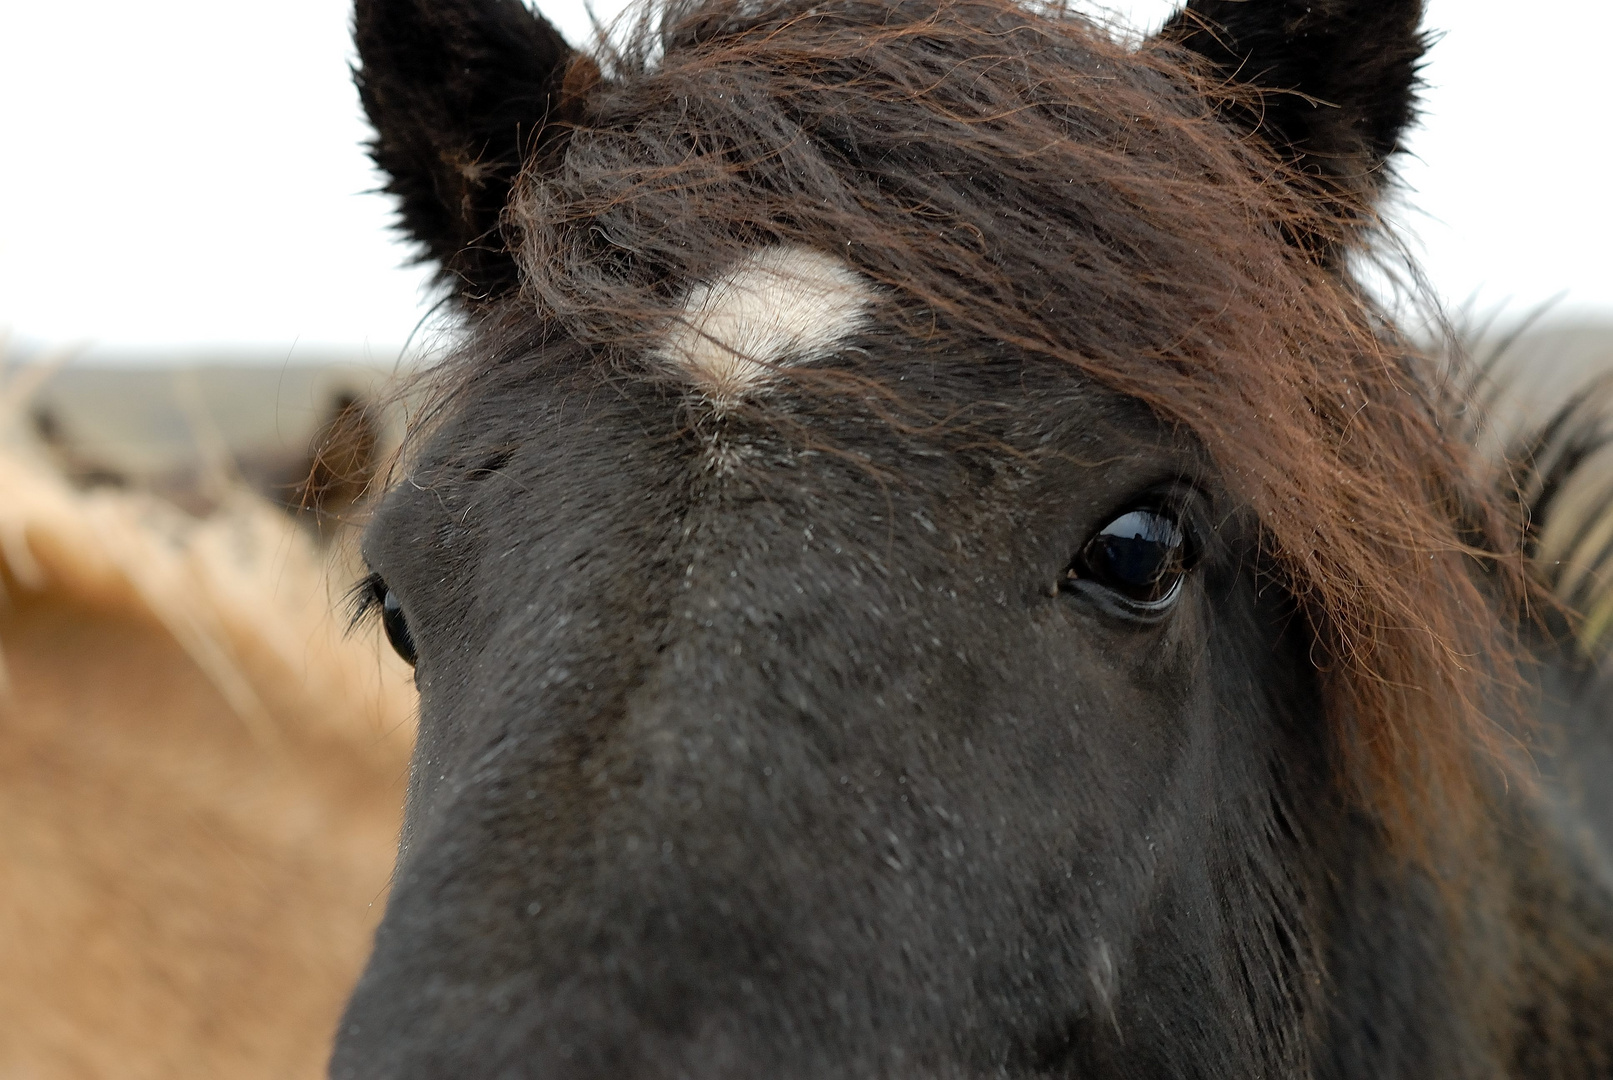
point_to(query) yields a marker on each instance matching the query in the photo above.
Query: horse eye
(1141, 557)
(396, 626)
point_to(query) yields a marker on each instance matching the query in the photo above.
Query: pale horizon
(187, 178)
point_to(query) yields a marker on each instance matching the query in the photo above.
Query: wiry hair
(1557, 453)
(1016, 177)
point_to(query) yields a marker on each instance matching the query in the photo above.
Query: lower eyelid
(1133, 611)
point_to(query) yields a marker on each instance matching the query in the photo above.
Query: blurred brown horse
(199, 778)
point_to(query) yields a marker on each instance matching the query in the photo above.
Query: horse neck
(1506, 970)
(1555, 847)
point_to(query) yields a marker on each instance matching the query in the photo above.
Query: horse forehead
(777, 306)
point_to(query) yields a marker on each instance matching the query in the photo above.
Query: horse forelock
(991, 172)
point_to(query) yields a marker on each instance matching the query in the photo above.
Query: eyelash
(363, 601)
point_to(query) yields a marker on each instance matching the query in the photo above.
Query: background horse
(929, 564)
(199, 778)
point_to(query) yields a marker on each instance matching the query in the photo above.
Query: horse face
(815, 681)
(783, 743)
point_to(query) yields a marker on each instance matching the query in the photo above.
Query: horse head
(925, 563)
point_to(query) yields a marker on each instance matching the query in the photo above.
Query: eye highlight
(374, 595)
(1135, 564)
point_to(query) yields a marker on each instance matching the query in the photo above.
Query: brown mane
(1008, 175)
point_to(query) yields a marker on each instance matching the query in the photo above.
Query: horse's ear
(461, 93)
(1335, 81)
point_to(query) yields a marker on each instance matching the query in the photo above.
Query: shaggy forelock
(1017, 176)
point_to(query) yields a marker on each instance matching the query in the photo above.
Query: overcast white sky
(187, 173)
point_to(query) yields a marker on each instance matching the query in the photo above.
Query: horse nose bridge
(659, 900)
(658, 855)
(753, 654)
(792, 628)
(759, 585)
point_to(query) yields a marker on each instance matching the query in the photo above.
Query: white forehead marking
(778, 306)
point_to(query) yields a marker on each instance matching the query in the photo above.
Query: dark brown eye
(393, 622)
(1140, 558)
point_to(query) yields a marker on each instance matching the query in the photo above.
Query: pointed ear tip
(461, 95)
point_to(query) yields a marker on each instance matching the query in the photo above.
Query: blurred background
(185, 178)
(187, 187)
(204, 318)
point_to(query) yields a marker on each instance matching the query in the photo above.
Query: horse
(200, 778)
(927, 561)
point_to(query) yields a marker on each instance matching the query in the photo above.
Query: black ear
(461, 93)
(1336, 80)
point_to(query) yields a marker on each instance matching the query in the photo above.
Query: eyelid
(1135, 611)
(1189, 504)
(1174, 499)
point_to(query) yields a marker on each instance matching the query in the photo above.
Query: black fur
(461, 93)
(838, 829)
(1336, 79)
(761, 741)
(707, 787)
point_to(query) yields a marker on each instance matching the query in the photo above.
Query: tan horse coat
(200, 783)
